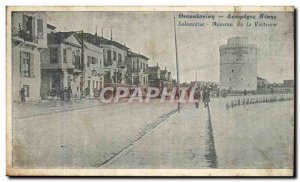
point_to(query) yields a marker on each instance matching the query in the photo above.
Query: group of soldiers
(246, 101)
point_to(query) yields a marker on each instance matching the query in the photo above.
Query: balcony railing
(25, 35)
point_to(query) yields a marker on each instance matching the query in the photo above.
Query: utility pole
(177, 68)
(196, 80)
(82, 58)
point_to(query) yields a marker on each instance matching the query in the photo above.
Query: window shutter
(31, 65)
(33, 29)
(69, 56)
(21, 64)
(40, 28)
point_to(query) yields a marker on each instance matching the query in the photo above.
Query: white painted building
(29, 40)
(238, 65)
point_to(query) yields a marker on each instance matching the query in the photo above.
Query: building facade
(262, 82)
(114, 59)
(238, 65)
(137, 69)
(29, 40)
(71, 62)
(62, 65)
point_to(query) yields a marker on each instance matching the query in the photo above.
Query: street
(154, 135)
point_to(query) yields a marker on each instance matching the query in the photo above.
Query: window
(104, 55)
(53, 55)
(26, 90)
(65, 55)
(89, 61)
(232, 70)
(28, 27)
(115, 56)
(69, 81)
(25, 64)
(94, 60)
(230, 79)
(89, 83)
(119, 58)
(108, 55)
(40, 28)
(77, 61)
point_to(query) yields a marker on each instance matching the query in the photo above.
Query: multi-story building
(93, 67)
(238, 65)
(154, 72)
(166, 78)
(29, 39)
(71, 62)
(114, 58)
(137, 69)
(62, 65)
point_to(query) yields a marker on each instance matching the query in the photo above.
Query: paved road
(253, 136)
(84, 137)
(152, 136)
(181, 142)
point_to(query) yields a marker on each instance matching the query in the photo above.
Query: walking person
(245, 92)
(204, 97)
(65, 93)
(197, 97)
(69, 93)
(87, 92)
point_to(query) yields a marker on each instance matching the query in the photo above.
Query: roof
(153, 68)
(58, 37)
(51, 26)
(259, 78)
(132, 54)
(164, 71)
(96, 40)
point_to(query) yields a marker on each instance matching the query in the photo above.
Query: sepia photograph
(150, 91)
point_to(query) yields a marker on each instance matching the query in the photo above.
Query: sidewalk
(27, 109)
(181, 142)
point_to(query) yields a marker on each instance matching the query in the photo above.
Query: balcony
(24, 36)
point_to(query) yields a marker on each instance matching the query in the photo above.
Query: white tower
(238, 65)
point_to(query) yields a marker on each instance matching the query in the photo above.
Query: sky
(152, 34)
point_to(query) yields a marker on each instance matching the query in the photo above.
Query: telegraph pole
(82, 59)
(178, 82)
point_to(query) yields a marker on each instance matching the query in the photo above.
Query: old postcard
(150, 91)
